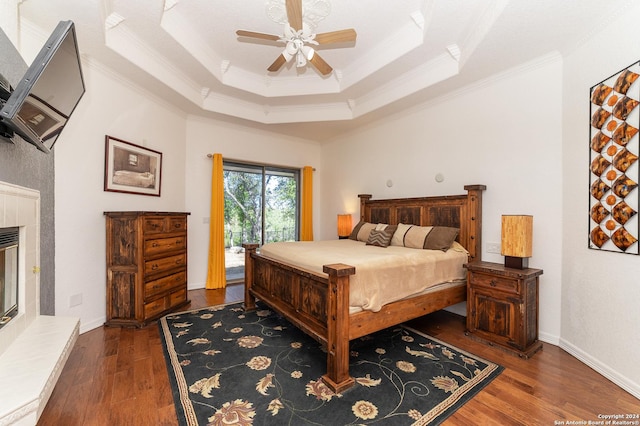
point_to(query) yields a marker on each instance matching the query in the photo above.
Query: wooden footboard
(319, 304)
(316, 304)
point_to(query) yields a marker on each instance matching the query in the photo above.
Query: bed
(319, 302)
(129, 178)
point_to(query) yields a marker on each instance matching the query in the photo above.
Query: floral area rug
(255, 368)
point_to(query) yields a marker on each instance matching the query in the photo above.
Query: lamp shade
(344, 225)
(517, 236)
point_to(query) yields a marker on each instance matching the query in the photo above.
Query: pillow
(398, 236)
(441, 238)
(365, 230)
(416, 236)
(380, 238)
(354, 232)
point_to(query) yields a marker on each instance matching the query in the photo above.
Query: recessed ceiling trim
(280, 86)
(126, 44)
(482, 27)
(398, 44)
(432, 72)
(177, 26)
(270, 114)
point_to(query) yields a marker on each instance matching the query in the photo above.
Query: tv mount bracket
(5, 92)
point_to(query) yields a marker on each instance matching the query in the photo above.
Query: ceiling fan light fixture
(308, 52)
(301, 61)
(286, 55)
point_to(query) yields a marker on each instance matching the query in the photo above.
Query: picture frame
(131, 168)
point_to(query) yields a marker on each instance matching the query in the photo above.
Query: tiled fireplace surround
(33, 347)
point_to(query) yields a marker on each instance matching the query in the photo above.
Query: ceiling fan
(299, 38)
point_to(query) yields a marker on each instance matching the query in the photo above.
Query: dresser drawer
(478, 279)
(164, 284)
(177, 224)
(155, 307)
(165, 264)
(153, 225)
(164, 245)
(177, 297)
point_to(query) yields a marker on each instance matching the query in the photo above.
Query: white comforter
(383, 275)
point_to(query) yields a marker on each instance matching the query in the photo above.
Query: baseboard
(617, 378)
(88, 326)
(552, 339)
(195, 286)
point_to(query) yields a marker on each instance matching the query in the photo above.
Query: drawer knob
(154, 267)
(493, 283)
(155, 245)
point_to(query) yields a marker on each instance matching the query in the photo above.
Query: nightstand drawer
(479, 279)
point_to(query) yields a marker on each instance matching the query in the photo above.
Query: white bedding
(383, 275)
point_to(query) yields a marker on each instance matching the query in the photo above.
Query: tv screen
(42, 102)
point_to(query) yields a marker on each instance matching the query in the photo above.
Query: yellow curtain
(306, 220)
(216, 274)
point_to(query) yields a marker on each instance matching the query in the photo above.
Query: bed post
(363, 200)
(337, 377)
(474, 205)
(249, 299)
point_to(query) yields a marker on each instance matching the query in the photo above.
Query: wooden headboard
(458, 211)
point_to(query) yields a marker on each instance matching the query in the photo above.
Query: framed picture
(131, 168)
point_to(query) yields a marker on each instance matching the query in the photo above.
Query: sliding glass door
(260, 206)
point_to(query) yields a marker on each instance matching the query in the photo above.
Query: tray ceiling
(187, 52)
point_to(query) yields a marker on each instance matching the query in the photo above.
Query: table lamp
(517, 240)
(344, 226)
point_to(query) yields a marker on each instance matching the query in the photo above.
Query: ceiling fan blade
(320, 64)
(340, 36)
(277, 64)
(252, 34)
(294, 14)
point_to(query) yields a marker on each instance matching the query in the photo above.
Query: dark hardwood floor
(117, 376)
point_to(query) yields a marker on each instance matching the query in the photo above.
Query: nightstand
(502, 307)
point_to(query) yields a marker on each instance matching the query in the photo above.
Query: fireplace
(33, 347)
(9, 239)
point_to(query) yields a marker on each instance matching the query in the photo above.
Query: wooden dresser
(502, 306)
(146, 266)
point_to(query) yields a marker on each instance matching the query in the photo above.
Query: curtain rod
(233, 160)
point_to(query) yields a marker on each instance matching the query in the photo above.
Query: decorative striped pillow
(380, 238)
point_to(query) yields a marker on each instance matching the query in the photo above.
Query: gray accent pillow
(441, 238)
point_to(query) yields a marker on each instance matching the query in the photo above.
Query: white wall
(601, 291)
(116, 108)
(504, 133)
(240, 143)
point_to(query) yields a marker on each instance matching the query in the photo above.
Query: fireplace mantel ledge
(30, 367)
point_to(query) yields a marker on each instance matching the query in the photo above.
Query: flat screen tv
(42, 102)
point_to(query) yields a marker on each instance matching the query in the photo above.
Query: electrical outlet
(493, 248)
